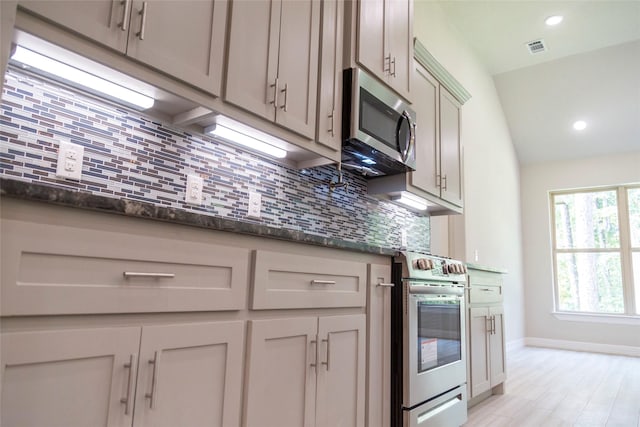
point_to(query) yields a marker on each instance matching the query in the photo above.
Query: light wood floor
(548, 388)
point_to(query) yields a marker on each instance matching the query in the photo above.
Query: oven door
(434, 344)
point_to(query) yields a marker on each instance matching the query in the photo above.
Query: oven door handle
(436, 290)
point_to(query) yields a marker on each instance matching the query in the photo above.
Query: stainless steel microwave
(378, 129)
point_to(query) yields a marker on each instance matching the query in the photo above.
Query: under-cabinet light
(79, 77)
(411, 201)
(239, 133)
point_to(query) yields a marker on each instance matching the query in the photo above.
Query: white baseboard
(515, 344)
(622, 350)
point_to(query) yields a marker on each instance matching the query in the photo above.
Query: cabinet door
(371, 49)
(330, 79)
(497, 347)
(341, 371)
(399, 28)
(252, 63)
(450, 148)
(100, 20)
(479, 350)
(298, 66)
(378, 345)
(190, 375)
(183, 38)
(68, 378)
(282, 363)
(427, 147)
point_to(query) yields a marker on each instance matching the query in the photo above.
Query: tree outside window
(596, 249)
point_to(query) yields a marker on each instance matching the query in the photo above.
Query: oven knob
(459, 268)
(455, 268)
(422, 264)
(464, 269)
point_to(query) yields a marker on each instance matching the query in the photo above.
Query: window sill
(618, 319)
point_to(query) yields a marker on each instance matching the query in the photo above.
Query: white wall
(491, 223)
(537, 181)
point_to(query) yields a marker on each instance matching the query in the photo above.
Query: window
(596, 250)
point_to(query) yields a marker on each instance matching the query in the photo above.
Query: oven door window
(439, 333)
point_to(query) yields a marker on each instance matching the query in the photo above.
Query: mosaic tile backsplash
(129, 155)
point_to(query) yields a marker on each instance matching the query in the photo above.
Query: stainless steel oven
(428, 342)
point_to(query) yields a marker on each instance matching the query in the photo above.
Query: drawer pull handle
(152, 396)
(129, 274)
(323, 282)
(128, 401)
(485, 290)
(386, 285)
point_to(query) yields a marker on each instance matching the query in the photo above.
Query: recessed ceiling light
(553, 20)
(580, 125)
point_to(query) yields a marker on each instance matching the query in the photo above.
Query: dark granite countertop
(485, 268)
(64, 197)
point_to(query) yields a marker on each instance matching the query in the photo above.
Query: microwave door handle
(412, 136)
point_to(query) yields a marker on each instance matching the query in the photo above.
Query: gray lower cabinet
(168, 375)
(487, 357)
(306, 371)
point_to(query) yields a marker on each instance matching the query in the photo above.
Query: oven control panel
(431, 267)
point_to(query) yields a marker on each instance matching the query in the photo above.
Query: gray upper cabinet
(428, 149)
(384, 41)
(450, 173)
(330, 80)
(184, 38)
(272, 68)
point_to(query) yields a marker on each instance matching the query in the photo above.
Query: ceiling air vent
(536, 46)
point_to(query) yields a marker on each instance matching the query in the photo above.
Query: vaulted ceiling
(589, 70)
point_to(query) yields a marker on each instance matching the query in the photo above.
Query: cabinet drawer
(295, 281)
(55, 269)
(485, 294)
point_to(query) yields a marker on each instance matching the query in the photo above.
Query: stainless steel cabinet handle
(125, 14)
(286, 92)
(129, 274)
(331, 116)
(128, 400)
(444, 180)
(152, 396)
(490, 326)
(438, 181)
(328, 341)
(493, 322)
(315, 359)
(143, 21)
(485, 290)
(323, 282)
(386, 285)
(275, 94)
(387, 68)
(393, 73)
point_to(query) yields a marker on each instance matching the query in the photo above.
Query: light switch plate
(255, 205)
(70, 158)
(194, 190)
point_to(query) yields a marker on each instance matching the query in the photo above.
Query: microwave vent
(536, 46)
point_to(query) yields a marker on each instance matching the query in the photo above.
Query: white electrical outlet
(70, 157)
(194, 190)
(403, 238)
(255, 205)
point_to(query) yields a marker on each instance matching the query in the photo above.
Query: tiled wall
(128, 155)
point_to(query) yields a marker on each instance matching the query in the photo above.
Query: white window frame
(626, 252)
